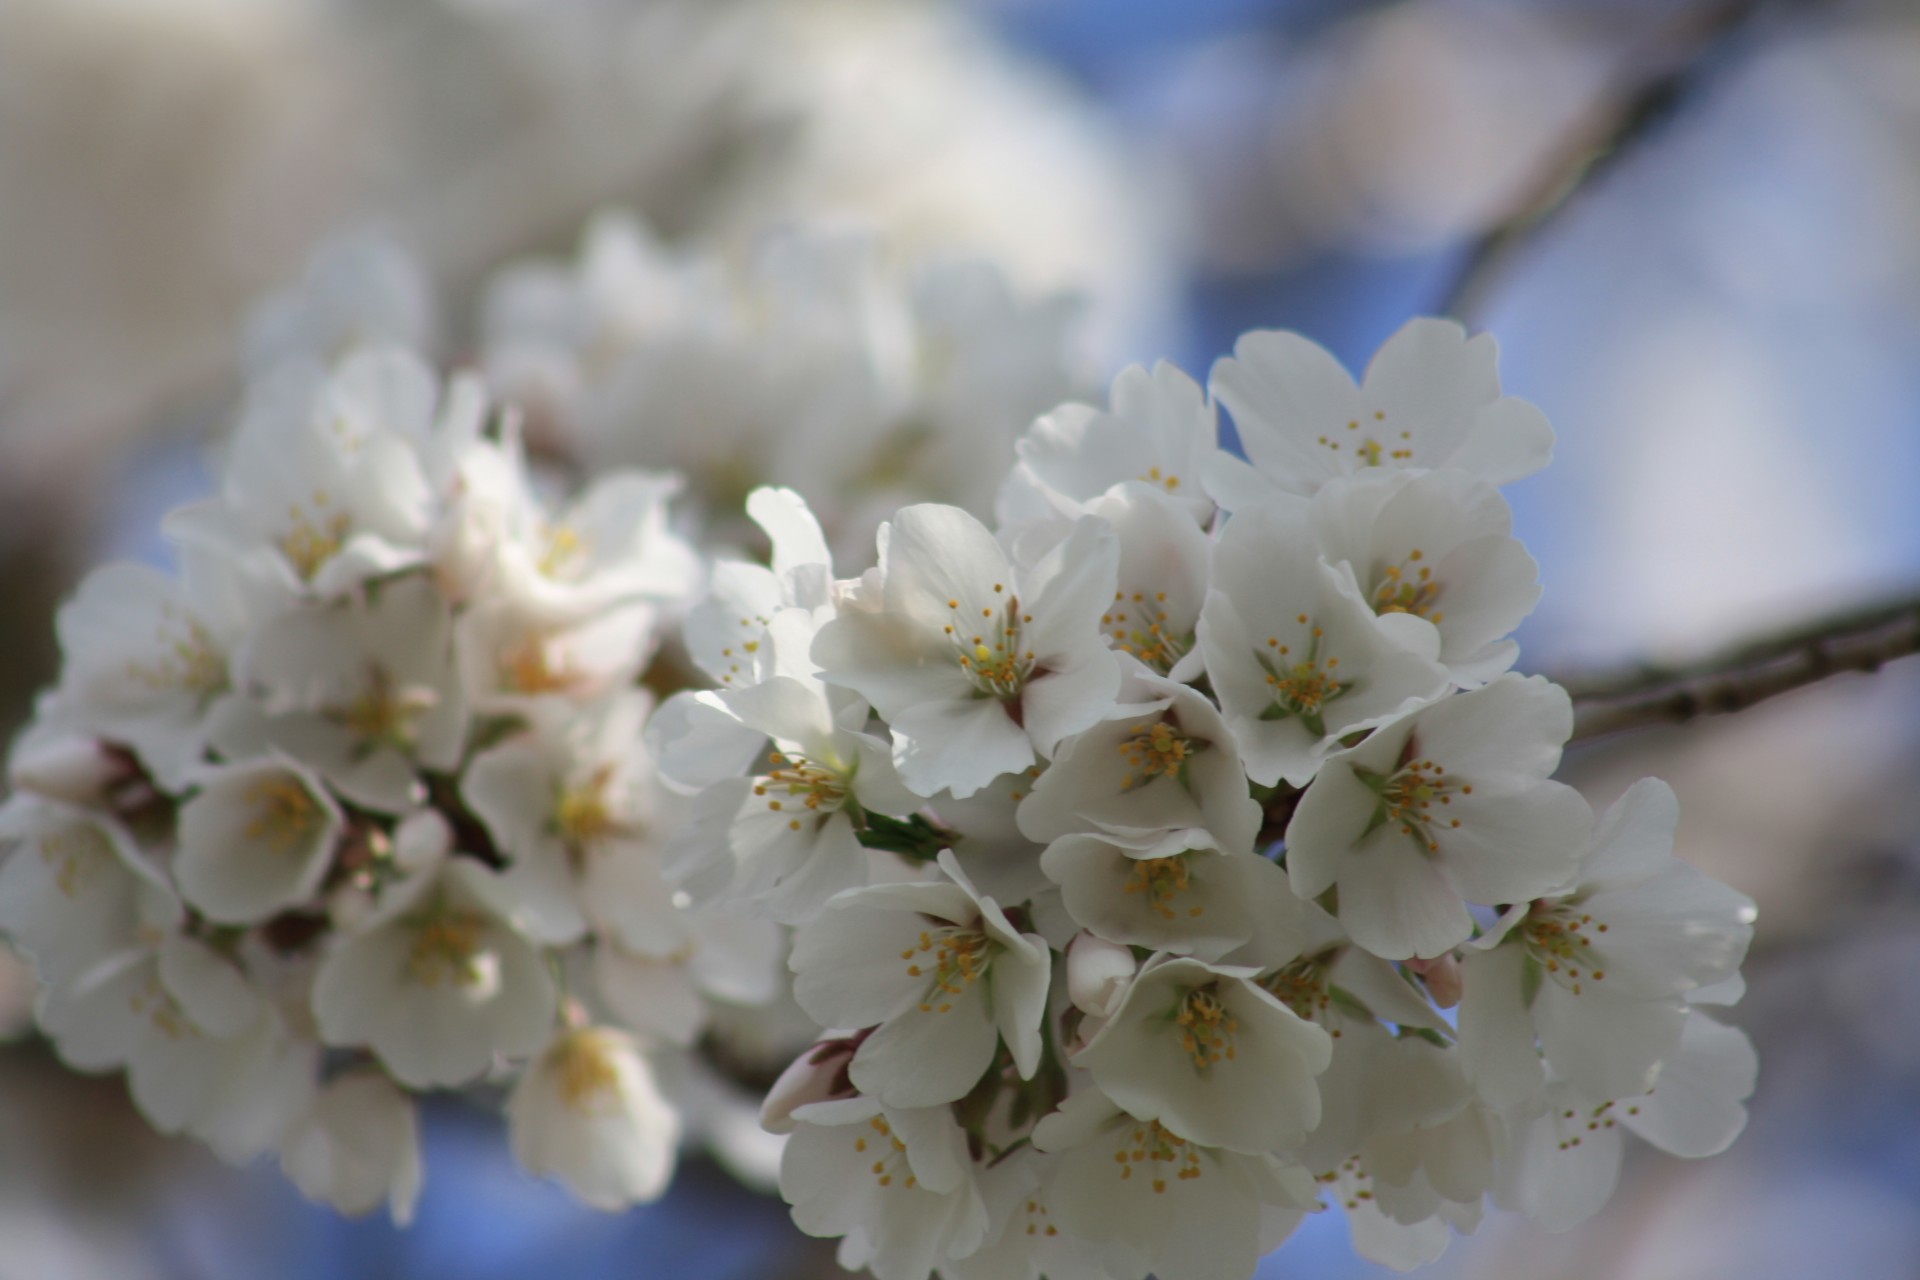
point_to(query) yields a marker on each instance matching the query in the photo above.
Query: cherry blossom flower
(1431, 398)
(1297, 658)
(1166, 775)
(588, 1112)
(1450, 805)
(1435, 546)
(1142, 1197)
(357, 1146)
(1160, 431)
(976, 663)
(1601, 972)
(469, 984)
(255, 839)
(897, 1184)
(1212, 1057)
(941, 972)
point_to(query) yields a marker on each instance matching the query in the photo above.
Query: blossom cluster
(817, 361)
(1180, 855)
(354, 805)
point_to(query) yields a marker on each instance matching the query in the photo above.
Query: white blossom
(148, 659)
(1601, 972)
(75, 889)
(357, 1146)
(255, 839)
(1143, 1197)
(1448, 806)
(1212, 1057)
(1198, 902)
(793, 838)
(1431, 398)
(438, 981)
(1435, 546)
(1297, 658)
(323, 487)
(587, 1111)
(1565, 1152)
(362, 693)
(1165, 775)
(939, 970)
(1160, 430)
(568, 804)
(895, 1183)
(977, 663)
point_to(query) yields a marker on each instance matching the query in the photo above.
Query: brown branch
(1861, 640)
(1628, 114)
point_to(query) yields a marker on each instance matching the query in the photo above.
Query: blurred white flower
(356, 1146)
(587, 1112)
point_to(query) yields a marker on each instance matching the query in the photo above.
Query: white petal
(1496, 1032)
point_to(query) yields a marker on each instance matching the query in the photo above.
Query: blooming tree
(1131, 852)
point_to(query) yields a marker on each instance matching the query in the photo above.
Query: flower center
(1206, 1029)
(312, 540)
(1408, 797)
(951, 959)
(1303, 685)
(1162, 880)
(1408, 587)
(153, 1003)
(1037, 1224)
(797, 782)
(1368, 450)
(529, 667)
(582, 814)
(1154, 475)
(189, 660)
(1561, 938)
(1302, 987)
(565, 554)
(1138, 625)
(283, 814)
(1156, 751)
(1151, 1144)
(588, 1077)
(447, 948)
(1569, 1125)
(989, 650)
(76, 854)
(892, 1154)
(383, 714)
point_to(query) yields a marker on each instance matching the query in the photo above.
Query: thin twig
(1857, 640)
(1622, 119)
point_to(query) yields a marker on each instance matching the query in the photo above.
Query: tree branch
(1622, 119)
(1862, 640)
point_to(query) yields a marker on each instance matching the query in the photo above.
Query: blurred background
(1694, 226)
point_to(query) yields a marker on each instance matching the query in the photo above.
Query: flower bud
(818, 1075)
(1442, 976)
(1098, 972)
(421, 841)
(77, 770)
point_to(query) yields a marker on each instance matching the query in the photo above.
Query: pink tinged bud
(80, 771)
(818, 1075)
(1442, 976)
(1098, 972)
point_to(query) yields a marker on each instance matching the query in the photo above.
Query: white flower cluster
(817, 361)
(355, 807)
(1137, 847)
